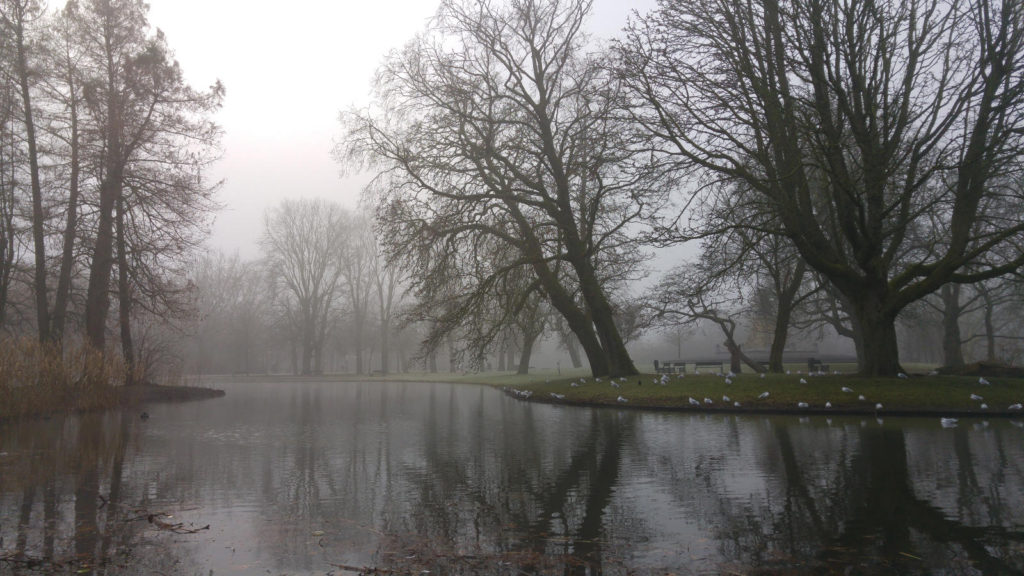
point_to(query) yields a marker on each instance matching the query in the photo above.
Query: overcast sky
(289, 69)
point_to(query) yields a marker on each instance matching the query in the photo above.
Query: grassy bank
(918, 394)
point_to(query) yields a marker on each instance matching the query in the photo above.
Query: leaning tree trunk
(952, 351)
(616, 357)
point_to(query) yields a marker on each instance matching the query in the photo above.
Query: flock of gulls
(664, 379)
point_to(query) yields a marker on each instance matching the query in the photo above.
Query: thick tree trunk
(124, 296)
(573, 347)
(952, 351)
(97, 300)
(878, 353)
(616, 357)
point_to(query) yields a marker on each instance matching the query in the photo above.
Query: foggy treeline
(849, 170)
(319, 299)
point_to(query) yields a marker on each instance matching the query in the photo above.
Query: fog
(288, 73)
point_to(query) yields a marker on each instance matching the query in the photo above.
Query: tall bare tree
(884, 133)
(497, 125)
(305, 242)
(16, 19)
(156, 139)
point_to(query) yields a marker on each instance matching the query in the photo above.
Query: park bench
(669, 367)
(717, 365)
(815, 365)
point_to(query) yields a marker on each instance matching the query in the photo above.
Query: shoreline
(717, 409)
(919, 395)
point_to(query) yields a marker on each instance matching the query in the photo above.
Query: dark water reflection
(300, 478)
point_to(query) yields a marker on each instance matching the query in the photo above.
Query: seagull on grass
(763, 395)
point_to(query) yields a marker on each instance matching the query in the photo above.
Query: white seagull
(847, 389)
(621, 399)
(802, 381)
(948, 422)
(694, 402)
(976, 397)
(802, 404)
(1016, 406)
(763, 395)
(982, 381)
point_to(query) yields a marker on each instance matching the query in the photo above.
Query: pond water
(322, 477)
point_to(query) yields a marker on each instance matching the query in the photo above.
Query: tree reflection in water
(462, 480)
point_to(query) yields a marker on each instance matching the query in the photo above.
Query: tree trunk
(527, 351)
(952, 351)
(359, 340)
(71, 226)
(878, 353)
(97, 300)
(124, 296)
(38, 232)
(737, 357)
(501, 359)
(783, 316)
(616, 357)
(307, 339)
(572, 345)
(990, 327)
(385, 348)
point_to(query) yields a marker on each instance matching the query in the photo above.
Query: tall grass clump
(39, 379)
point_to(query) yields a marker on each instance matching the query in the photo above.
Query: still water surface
(312, 477)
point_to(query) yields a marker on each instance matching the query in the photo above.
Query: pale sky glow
(289, 69)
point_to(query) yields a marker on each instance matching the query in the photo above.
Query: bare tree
(156, 141)
(9, 160)
(304, 242)
(16, 18)
(883, 132)
(357, 275)
(698, 292)
(496, 125)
